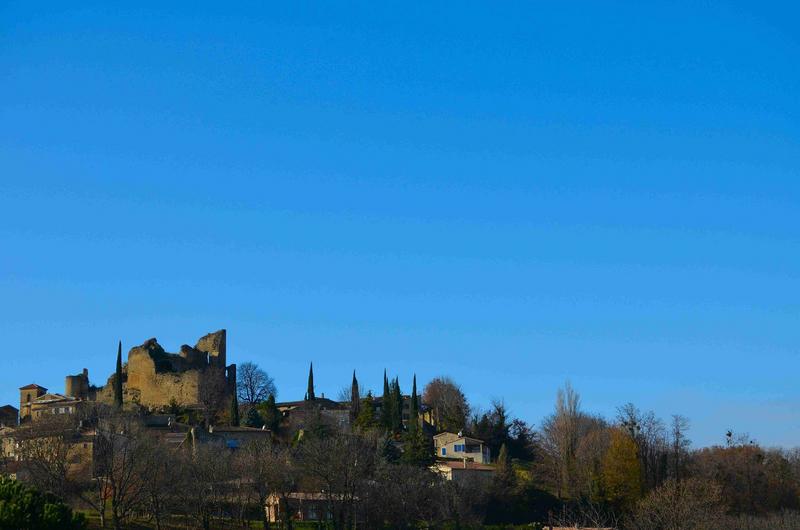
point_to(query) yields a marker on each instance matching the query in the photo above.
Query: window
(444, 451)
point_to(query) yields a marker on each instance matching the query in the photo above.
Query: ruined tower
(77, 386)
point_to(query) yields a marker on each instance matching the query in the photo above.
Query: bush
(26, 508)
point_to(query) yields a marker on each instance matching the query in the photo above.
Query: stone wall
(154, 378)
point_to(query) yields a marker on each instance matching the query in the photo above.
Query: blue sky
(513, 195)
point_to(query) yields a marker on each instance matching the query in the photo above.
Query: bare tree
(268, 470)
(204, 475)
(44, 449)
(448, 403)
(680, 444)
(160, 480)
(253, 385)
(401, 496)
(690, 504)
(585, 514)
(462, 503)
(560, 437)
(339, 466)
(650, 436)
(121, 464)
(345, 393)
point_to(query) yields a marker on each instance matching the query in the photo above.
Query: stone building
(458, 446)
(195, 377)
(9, 416)
(27, 395)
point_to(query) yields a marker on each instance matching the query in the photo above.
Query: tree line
(633, 471)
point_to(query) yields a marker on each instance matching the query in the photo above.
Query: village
(188, 439)
(191, 403)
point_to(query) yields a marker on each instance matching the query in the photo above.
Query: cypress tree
(118, 378)
(397, 407)
(310, 391)
(355, 399)
(414, 402)
(417, 450)
(234, 410)
(386, 405)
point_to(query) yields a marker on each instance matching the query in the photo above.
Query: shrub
(26, 508)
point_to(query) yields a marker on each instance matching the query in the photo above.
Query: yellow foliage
(622, 481)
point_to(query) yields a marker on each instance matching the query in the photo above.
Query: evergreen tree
(417, 447)
(234, 413)
(386, 407)
(253, 418)
(505, 471)
(414, 418)
(355, 399)
(310, 392)
(22, 506)
(503, 492)
(397, 407)
(365, 420)
(118, 378)
(270, 414)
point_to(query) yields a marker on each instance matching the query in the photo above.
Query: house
(28, 442)
(458, 446)
(8, 443)
(175, 434)
(27, 394)
(302, 506)
(9, 416)
(463, 470)
(301, 415)
(234, 437)
(35, 402)
(52, 403)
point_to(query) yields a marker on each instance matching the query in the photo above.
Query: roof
(32, 386)
(319, 402)
(220, 429)
(307, 496)
(53, 398)
(9, 408)
(457, 437)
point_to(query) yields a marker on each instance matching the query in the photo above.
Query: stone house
(302, 506)
(460, 447)
(53, 404)
(27, 394)
(9, 416)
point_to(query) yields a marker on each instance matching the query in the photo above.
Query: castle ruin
(195, 377)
